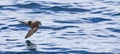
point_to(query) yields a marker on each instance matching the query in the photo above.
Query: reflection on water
(30, 45)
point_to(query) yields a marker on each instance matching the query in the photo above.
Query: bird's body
(34, 27)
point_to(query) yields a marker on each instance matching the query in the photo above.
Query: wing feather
(31, 31)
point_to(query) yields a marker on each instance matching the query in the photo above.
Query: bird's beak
(40, 23)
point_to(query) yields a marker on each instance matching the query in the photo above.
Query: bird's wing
(31, 31)
(24, 22)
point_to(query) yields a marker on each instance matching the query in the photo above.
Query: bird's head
(29, 22)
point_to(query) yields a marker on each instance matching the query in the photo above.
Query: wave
(42, 7)
(69, 21)
(66, 52)
(58, 28)
(96, 19)
(114, 30)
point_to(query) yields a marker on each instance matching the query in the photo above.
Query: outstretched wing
(31, 31)
(24, 22)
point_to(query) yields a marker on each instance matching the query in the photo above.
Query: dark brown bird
(34, 27)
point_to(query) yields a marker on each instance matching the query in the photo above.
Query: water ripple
(58, 28)
(48, 44)
(8, 8)
(58, 8)
(104, 36)
(57, 48)
(85, 52)
(96, 12)
(30, 5)
(112, 14)
(11, 39)
(70, 21)
(73, 34)
(44, 7)
(96, 20)
(114, 30)
(116, 14)
(1, 24)
(67, 52)
(63, 38)
(4, 28)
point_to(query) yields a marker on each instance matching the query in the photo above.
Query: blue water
(68, 26)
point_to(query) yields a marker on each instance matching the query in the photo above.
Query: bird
(34, 25)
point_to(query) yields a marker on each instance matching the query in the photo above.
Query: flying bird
(34, 27)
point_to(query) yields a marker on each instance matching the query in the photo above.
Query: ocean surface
(68, 27)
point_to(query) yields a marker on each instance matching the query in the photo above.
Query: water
(68, 27)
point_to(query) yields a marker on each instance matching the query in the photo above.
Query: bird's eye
(29, 23)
